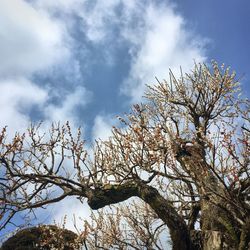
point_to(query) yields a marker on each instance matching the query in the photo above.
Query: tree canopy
(184, 153)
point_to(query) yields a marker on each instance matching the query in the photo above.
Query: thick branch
(111, 194)
(165, 210)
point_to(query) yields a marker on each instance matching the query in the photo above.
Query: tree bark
(112, 194)
(219, 230)
(177, 227)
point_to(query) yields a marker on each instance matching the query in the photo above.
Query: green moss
(229, 228)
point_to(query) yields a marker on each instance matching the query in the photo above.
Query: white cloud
(102, 127)
(155, 34)
(100, 19)
(30, 40)
(65, 111)
(96, 16)
(17, 96)
(162, 43)
(59, 5)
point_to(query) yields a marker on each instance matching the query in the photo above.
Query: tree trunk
(208, 240)
(219, 228)
(177, 227)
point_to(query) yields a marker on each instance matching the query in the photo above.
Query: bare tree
(184, 152)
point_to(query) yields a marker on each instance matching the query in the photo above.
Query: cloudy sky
(87, 60)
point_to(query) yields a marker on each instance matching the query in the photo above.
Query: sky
(87, 61)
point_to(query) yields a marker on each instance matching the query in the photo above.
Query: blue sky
(87, 61)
